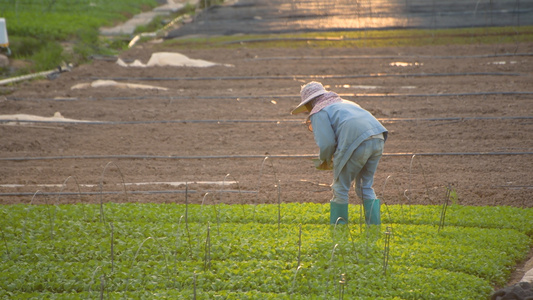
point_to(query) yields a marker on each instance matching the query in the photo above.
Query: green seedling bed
(287, 251)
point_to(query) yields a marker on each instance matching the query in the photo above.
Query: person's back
(352, 121)
(351, 126)
(350, 140)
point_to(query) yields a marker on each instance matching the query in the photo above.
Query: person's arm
(324, 137)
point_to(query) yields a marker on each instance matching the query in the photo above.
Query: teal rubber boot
(372, 211)
(338, 210)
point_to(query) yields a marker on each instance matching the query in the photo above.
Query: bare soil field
(464, 112)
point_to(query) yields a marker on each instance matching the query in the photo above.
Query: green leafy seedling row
(249, 252)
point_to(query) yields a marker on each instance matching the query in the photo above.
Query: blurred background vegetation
(46, 33)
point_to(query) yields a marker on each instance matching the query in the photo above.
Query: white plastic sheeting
(112, 83)
(171, 59)
(57, 117)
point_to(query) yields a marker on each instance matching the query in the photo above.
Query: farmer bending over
(351, 142)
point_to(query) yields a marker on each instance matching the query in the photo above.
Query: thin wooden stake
(102, 287)
(299, 245)
(112, 251)
(444, 208)
(194, 290)
(207, 256)
(388, 234)
(279, 206)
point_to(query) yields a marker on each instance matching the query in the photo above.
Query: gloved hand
(322, 165)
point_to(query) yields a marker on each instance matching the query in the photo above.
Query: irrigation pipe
(121, 192)
(391, 56)
(159, 31)
(26, 77)
(49, 73)
(233, 97)
(225, 121)
(454, 119)
(329, 39)
(294, 156)
(296, 77)
(290, 39)
(149, 122)
(442, 94)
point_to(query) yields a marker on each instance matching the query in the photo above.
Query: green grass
(62, 19)
(39, 30)
(248, 252)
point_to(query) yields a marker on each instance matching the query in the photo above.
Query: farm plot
(284, 251)
(459, 117)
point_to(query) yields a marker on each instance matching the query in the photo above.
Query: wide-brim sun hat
(309, 92)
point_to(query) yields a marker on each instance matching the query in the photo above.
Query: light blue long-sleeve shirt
(340, 128)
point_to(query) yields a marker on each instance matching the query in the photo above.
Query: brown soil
(484, 179)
